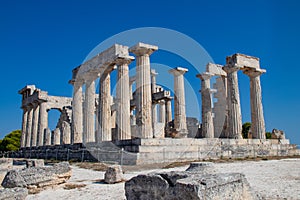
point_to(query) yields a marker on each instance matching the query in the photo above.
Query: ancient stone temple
(136, 126)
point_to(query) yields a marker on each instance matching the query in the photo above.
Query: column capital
(141, 49)
(121, 60)
(204, 76)
(162, 102)
(177, 71)
(253, 72)
(231, 68)
(76, 81)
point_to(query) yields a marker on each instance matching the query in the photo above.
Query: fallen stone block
(13, 193)
(189, 185)
(35, 163)
(38, 177)
(6, 164)
(113, 174)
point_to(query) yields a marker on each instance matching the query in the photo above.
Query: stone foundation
(166, 150)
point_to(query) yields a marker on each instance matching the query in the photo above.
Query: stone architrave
(143, 89)
(104, 126)
(29, 126)
(43, 123)
(257, 116)
(234, 124)
(35, 121)
(77, 115)
(89, 110)
(207, 115)
(180, 124)
(162, 111)
(24, 124)
(123, 99)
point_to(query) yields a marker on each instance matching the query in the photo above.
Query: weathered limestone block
(277, 134)
(34, 163)
(113, 174)
(37, 178)
(201, 167)
(189, 185)
(5, 165)
(13, 193)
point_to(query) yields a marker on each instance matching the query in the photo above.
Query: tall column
(153, 90)
(123, 99)
(43, 123)
(104, 126)
(143, 89)
(168, 110)
(207, 118)
(24, 124)
(257, 116)
(179, 102)
(35, 121)
(89, 110)
(162, 111)
(77, 115)
(29, 126)
(233, 103)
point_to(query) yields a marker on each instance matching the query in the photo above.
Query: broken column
(89, 109)
(257, 116)
(207, 115)
(180, 125)
(123, 99)
(143, 89)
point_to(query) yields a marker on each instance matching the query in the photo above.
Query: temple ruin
(139, 122)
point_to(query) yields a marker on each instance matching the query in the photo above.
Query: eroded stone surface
(13, 193)
(113, 174)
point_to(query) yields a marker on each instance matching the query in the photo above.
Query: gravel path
(274, 179)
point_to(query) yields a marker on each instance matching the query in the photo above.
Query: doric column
(35, 121)
(29, 126)
(56, 137)
(207, 118)
(89, 110)
(257, 116)
(168, 111)
(234, 124)
(143, 89)
(162, 111)
(179, 102)
(77, 115)
(123, 99)
(47, 137)
(43, 123)
(24, 124)
(66, 132)
(104, 108)
(153, 90)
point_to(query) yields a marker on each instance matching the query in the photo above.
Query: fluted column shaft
(123, 101)
(89, 111)
(257, 117)
(233, 102)
(143, 89)
(162, 111)
(153, 90)
(35, 121)
(168, 111)
(104, 127)
(207, 118)
(43, 123)
(29, 126)
(77, 113)
(179, 102)
(24, 124)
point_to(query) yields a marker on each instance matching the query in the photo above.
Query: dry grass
(92, 165)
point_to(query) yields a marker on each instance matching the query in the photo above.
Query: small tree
(245, 129)
(268, 135)
(11, 142)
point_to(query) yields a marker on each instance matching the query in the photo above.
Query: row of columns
(34, 123)
(234, 121)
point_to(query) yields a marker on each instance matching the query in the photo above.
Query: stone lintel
(119, 60)
(178, 71)
(142, 49)
(160, 95)
(243, 60)
(215, 69)
(31, 88)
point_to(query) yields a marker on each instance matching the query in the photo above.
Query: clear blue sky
(42, 41)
